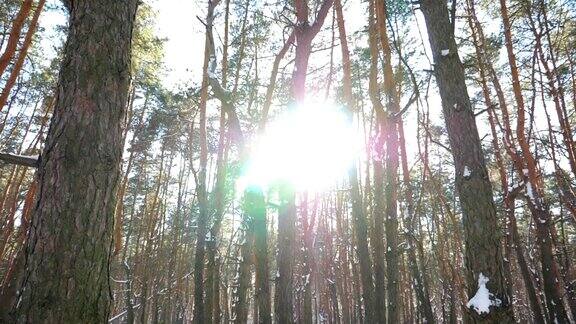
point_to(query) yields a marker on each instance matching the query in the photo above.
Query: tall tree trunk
(478, 39)
(219, 200)
(527, 168)
(201, 189)
(420, 282)
(390, 129)
(356, 197)
(358, 215)
(304, 34)
(482, 234)
(69, 245)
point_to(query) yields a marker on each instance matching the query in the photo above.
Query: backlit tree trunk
(304, 34)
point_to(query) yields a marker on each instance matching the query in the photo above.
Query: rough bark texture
(482, 234)
(514, 237)
(69, 245)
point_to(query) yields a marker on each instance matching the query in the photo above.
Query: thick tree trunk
(69, 245)
(482, 234)
(483, 63)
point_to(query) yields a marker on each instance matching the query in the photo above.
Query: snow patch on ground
(445, 52)
(483, 299)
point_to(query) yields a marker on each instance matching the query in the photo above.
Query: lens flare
(311, 147)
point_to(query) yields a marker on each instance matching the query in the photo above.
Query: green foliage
(147, 49)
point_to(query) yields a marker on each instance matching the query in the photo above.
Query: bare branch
(24, 160)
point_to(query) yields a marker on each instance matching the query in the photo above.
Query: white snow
(306, 279)
(514, 187)
(467, 172)
(212, 68)
(483, 299)
(445, 52)
(530, 191)
(525, 171)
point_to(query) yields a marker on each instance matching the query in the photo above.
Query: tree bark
(69, 244)
(482, 234)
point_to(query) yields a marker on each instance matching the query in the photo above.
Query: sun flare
(310, 146)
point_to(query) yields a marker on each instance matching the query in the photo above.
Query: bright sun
(311, 147)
